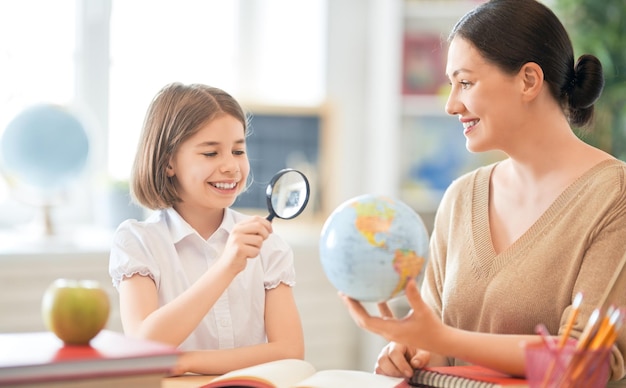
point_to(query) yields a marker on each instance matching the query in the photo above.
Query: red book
(30, 358)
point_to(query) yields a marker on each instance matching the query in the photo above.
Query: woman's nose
(453, 105)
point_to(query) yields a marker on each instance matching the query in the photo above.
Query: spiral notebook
(466, 376)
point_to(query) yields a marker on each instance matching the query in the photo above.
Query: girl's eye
(239, 152)
(465, 84)
(209, 153)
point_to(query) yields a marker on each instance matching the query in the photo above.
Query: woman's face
(211, 167)
(486, 100)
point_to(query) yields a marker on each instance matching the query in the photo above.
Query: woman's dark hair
(511, 33)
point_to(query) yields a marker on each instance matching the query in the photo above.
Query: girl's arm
(284, 335)
(173, 322)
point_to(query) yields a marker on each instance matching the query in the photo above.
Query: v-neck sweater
(575, 245)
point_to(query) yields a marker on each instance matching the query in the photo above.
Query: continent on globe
(371, 220)
(409, 265)
(370, 246)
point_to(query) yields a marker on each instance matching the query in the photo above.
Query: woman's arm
(284, 335)
(422, 329)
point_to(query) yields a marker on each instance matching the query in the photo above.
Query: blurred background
(351, 92)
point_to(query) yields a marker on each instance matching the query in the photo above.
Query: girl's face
(211, 167)
(485, 99)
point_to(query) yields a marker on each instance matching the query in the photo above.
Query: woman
(515, 241)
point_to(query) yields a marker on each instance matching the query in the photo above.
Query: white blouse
(166, 248)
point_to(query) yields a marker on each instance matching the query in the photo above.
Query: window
(185, 41)
(260, 51)
(37, 40)
(263, 52)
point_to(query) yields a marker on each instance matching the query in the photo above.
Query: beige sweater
(574, 246)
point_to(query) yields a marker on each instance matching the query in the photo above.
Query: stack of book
(40, 359)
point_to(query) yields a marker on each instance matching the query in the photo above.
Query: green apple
(75, 310)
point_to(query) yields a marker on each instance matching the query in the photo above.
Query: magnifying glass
(287, 194)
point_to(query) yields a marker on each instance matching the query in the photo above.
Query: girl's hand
(245, 242)
(399, 360)
(396, 359)
(419, 329)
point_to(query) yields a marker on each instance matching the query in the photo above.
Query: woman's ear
(532, 79)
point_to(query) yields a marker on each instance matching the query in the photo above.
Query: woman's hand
(245, 242)
(419, 329)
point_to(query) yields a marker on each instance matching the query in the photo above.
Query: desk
(186, 381)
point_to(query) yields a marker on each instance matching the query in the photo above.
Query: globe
(370, 246)
(42, 150)
(45, 147)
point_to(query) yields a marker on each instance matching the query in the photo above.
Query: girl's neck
(204, 221)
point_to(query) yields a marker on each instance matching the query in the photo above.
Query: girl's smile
(211, 166)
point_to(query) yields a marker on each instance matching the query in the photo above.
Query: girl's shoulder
(155, 224)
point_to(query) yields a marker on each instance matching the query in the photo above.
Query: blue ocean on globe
(370, 246)
(44, 146)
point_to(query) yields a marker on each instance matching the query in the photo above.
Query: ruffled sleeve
(278, 262)
(130, 254)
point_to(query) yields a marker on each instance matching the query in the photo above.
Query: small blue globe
(370, 246)
(44, 146)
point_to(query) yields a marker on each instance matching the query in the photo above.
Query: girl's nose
(229, 164)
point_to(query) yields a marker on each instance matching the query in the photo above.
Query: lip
(225, 190)
(470, 128)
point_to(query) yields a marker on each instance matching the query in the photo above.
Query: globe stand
(45, 221)
(41, 225)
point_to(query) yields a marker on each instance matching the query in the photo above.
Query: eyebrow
(461, 70)
(214, 143)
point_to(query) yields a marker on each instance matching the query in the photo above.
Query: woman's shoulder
(609, 172)
(480, 174)
(611, 166)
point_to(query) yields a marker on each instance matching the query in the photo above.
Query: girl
(514, 242)
(197, 274)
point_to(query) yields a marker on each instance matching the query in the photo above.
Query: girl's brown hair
(175, 114)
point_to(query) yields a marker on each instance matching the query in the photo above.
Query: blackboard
(277, 141)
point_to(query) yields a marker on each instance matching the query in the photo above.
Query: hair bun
(587, 82)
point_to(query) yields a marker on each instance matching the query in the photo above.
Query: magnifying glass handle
(270, 217)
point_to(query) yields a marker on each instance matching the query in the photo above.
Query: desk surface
(186, 381)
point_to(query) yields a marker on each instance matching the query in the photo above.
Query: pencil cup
(567, 367)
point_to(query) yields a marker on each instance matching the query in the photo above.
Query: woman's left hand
(419, 329)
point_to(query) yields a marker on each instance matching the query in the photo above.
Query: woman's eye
(239, 152)
(464, 84)
(209, 153)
